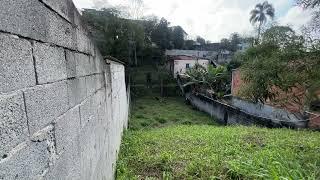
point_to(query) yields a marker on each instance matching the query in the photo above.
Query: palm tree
(261, 13)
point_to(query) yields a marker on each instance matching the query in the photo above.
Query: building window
(187, 66)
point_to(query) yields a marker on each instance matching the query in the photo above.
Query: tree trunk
(161, 87)
(135, 55)
(259, 31)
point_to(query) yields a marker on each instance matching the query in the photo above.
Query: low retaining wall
(229, 115)
(62, 106)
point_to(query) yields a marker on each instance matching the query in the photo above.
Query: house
(180, 64)
(243, 46)
(223, 57)
(194, 53)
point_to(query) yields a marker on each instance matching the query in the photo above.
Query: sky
(211, 19)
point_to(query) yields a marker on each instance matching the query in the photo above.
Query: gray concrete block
(88, 112)
(45, 103)
(71, 64)
(77, 91)
(94, 83)
(16, 63)
(83, 42)
(99, 62)
(32, 19)
(68, 165)
(93, 65)
(13, 123)
(61, 32)
(83, 66)
(64, 8)
(29, 161)
(67, 128)
(50, 63)
(88, 146)
(91, 82)
(24, 17)
(79, 64)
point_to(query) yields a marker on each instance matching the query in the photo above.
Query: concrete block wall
(63, 107)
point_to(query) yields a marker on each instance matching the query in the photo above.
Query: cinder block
(79, 64)
(28, 162)
(45, 103)
(88, 112)
(50, 63)
(102, 80)
(88, 146)
(77, 91)
(67, 128)
(71, 64)
(13, 123)
(93, 65)
(60, 32)
(68, 165)
(32, 19)
(92, 84)
(99, 62)
(84, 44)
(16, 70)
(64, 8)
(99, 98)
(24, 17)
(82, 64)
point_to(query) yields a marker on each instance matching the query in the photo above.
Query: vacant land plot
(189, 146)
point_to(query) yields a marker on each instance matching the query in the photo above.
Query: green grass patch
(170, 140)
(209, 152)
(153, 112)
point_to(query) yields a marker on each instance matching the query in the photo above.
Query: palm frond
(271, 13)
(259, 6)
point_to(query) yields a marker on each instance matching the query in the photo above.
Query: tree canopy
(260, 14)
(282, 61)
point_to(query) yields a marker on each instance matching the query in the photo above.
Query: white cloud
(296, 17)
(83, 3)
(212, 19)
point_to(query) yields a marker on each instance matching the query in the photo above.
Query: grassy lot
(154, 112)
(169, 140)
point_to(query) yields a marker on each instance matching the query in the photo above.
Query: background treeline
(135, 42)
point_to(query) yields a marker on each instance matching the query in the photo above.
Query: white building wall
(180, 65)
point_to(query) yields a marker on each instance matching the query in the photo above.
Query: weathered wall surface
(62, 106)
(233, 113)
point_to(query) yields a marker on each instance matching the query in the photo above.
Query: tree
(282, 36)
(235, 40)
(117, 37)
(309, 3)
(189, 44)
(201, 40)
(217, 79)
(135, 9)
(260, 15)
(281, 63)
(225, 44)
(312, 29)
(178, 37)
(161, 35)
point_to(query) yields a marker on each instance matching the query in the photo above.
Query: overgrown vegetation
(216, 79)
(186, 147)
(282, 61)
(152, 112)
